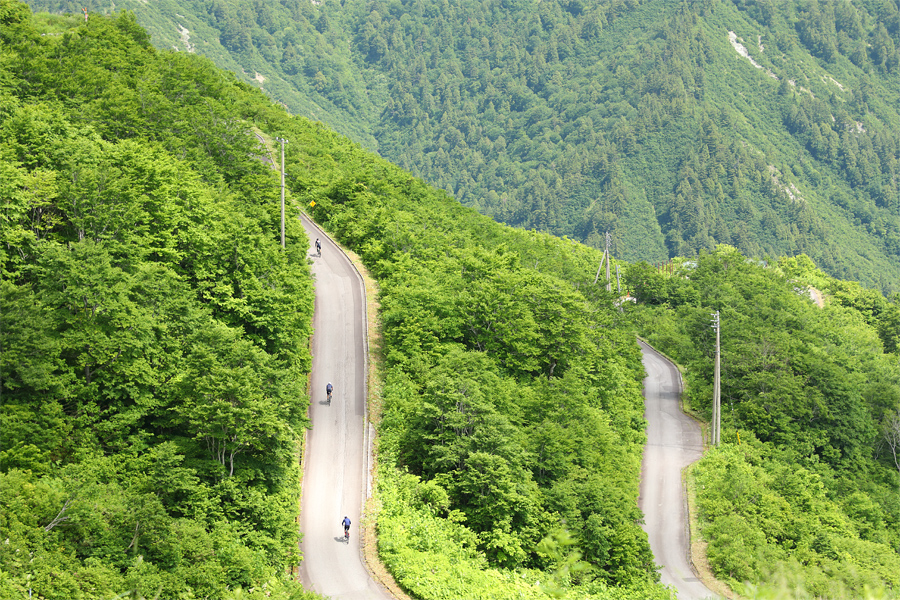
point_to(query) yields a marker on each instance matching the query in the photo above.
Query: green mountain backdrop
(672, 125)
(154, 352)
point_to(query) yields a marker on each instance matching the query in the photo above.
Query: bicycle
(328, 391)
(346, 524)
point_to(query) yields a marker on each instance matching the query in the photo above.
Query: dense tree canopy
(154, 345)
(154, 354)
(511, 388)
(675, 126)
(154, 335)
(805, 483)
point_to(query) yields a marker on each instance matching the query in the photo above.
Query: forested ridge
(675, 126)
(154, 362)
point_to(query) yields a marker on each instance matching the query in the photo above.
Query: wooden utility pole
(283, 142)
(717, 386)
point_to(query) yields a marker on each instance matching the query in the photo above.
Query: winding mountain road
(336, 464)
(337, 461)
(673, 442)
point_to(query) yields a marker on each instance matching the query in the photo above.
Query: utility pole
(608, 260)
(606, 257)
(717, 385)
(283, 142)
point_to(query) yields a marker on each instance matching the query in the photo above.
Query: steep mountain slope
(673, 126)
(274, 47)
(155, 349)
(154, 357)
(154, 332)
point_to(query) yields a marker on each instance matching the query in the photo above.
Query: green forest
(154, 334)
(155, 360)
(805, 484)
(512, 411)
(676, 126)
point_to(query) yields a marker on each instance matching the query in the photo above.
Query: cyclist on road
(318, 247)
(346, 524)
(328, 389)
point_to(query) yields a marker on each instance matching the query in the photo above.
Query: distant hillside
(259, 43)
(674, 126)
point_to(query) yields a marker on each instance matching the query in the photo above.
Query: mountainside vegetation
(155, 349)
(675, 126)
(155, 357)
(154, 335)
(805, 485)
(512, 425)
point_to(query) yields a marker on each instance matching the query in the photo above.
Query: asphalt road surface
(673, 442)
(336, 465)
